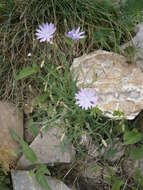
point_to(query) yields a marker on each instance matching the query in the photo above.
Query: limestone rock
(10, 118)
(117, 84)
(48, 148)
(22, 180)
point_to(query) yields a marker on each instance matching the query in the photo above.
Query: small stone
(48, 148)
(117, 84)
(22, 180)
(10, 118)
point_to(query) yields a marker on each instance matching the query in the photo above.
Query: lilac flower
(45, 32)
(75, 34)
(86, 98)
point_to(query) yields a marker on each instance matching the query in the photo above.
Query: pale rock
(22, 180)
(10, 118)
(49, 149)
(117, 84)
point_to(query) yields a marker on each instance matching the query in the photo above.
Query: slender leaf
(41, 178)
(14, 135)
(28, 152)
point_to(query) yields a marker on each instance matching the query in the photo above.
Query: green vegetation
(5, 183)
(45, 77)
(107, 26)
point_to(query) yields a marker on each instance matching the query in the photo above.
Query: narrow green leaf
(26, 72)
(132, 137)
(43, 169)
(28, 152)
(41, 179)
(15, 137)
